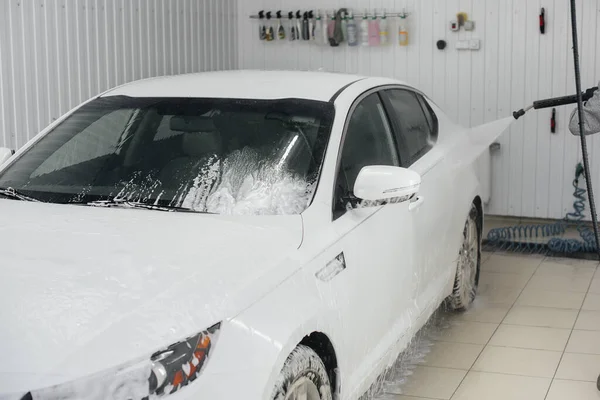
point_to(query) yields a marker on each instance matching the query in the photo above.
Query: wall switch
(462, 45)
(474, 44)
(454, 26)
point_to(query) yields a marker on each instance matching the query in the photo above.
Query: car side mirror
(382, 183)
(5, 154)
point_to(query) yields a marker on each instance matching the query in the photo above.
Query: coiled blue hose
(514, 238)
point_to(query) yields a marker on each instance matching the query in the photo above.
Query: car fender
(262, 337)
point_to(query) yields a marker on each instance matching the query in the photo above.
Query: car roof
(263, 85)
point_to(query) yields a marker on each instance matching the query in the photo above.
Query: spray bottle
(305, 27)
(298, 25)
(311, 24)
(364, 30)
(270, 31)
(384, 30)
(403, 31)
(374, 27)
(262, 29)
(292, 26)
(352, 31)
(280, 28)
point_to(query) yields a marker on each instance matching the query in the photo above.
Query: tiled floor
(533, 334)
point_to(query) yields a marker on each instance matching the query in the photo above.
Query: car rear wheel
(303, 377)
(469, 260)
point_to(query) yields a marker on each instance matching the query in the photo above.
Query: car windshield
(223, 156)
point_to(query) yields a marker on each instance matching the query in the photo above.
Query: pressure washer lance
(555, 102)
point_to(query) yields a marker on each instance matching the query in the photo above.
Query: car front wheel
(303, 377)
(469, 260)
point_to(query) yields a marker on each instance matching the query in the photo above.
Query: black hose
(584, 152)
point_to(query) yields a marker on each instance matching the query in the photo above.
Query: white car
(233, 235)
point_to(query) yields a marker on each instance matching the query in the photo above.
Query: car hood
(85, 288)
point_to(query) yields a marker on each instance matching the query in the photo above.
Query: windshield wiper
(137, 204)
(14, 194)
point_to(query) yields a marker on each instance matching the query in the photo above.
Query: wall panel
(55, 54)
(532, 173)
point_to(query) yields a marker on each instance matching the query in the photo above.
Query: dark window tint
(368, 141)
(413, 123)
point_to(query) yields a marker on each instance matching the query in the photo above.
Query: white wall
(533, 173)
(54, 54)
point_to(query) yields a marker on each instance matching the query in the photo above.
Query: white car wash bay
(277, 201)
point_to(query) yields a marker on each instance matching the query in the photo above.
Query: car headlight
(163, 373)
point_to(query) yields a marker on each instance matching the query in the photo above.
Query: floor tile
(485, 255)
(498, 295)
(559, 283)
(586, 342)
(468, 332)
(507, 360)
(552, 299)
(435, 383)
(453, 355)
(572, 261)
(591, 302)
(595, 286)
(542, 317)
(566, 269)
(511, 264)
(499, 279)
(488, 386)
(564, 390)
(531, 337)
(579, 367)
(588, 321)
(481, 312)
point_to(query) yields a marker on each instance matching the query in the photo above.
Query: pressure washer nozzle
(519, 114)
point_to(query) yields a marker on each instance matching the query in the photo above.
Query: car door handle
(416, 203)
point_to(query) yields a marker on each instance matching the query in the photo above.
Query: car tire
(303, 374)
(468, 265)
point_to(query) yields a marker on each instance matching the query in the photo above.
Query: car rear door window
(414, 125)
(368, 141)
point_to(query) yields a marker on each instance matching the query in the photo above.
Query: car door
(415, 127)
(377, 288)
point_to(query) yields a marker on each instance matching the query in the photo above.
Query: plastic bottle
(345, 26)
(364, 30)
(305, 27)
(352, 31)
(318, 31)
(331, 27)
(384, 30)
(292, 27)
(403, 32)
(374, 26)
(280, 28)
(324, 30)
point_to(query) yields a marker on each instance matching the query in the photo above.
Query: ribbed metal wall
(532, 173)
(55, 54)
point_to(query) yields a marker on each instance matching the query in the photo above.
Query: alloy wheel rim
(303, 389)
(469, 258)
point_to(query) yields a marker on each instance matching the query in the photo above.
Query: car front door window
(368, 141)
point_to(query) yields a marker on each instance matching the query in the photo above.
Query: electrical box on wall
(473, 44)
